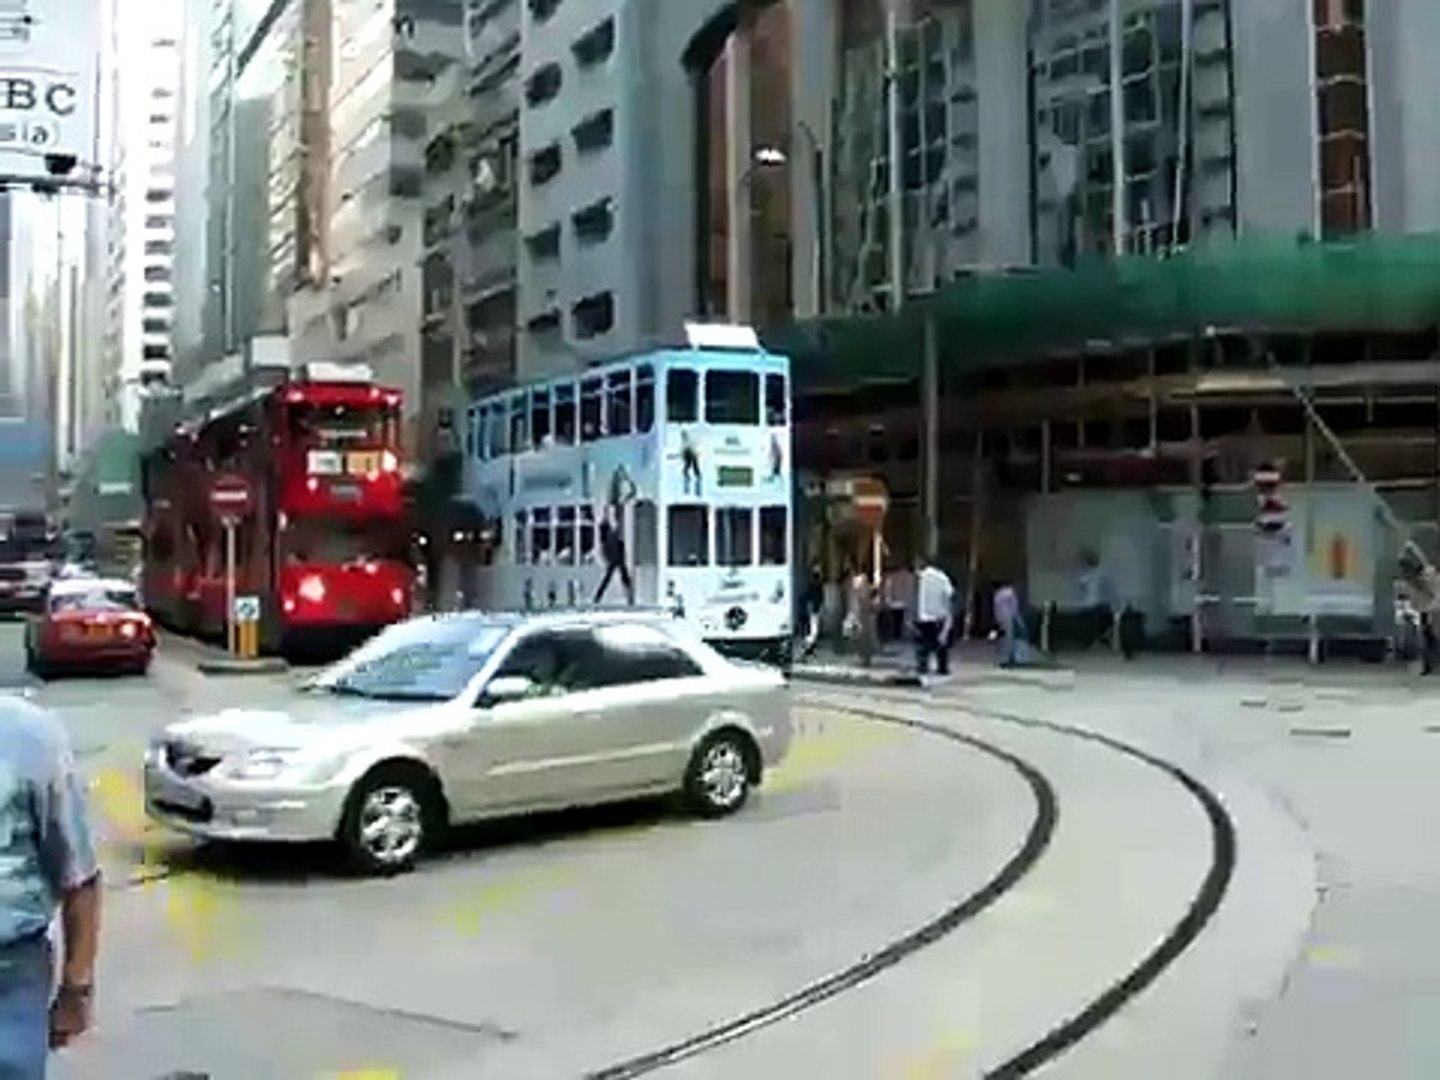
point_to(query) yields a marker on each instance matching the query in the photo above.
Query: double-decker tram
(660, 479)
(322, 541)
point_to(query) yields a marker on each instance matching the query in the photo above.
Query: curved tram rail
(1065, 1035)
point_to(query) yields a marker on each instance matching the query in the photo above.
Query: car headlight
(267, 764)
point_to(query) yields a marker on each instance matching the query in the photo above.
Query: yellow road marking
(200, 909)
(364, 1074)
(1337, 957)
(822, 748)
(941, 1062)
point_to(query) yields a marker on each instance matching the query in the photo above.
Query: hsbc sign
(49, 58)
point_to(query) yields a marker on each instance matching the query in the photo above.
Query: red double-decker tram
(321, 539)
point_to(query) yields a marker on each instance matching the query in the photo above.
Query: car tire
(38, 667)
(721, 774)
(391, 817)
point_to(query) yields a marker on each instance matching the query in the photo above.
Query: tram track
(1065, 1035)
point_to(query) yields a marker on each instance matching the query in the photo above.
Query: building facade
(144, 71)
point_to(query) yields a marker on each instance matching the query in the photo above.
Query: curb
(263, 666)
(856, 677)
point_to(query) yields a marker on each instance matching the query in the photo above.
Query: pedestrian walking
(860, 629)
(1010, 624)
(934, 617)
(812, 606)
(47, 865)
(612, 550)
(1421, 585)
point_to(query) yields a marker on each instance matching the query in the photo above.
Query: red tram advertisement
(320, 534)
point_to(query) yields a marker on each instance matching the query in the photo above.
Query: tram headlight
(312, 589)
(389, 462)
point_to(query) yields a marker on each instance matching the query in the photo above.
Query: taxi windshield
(423, 660)
(96, 599)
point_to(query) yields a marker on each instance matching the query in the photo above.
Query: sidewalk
(213, 660)
(974, 662)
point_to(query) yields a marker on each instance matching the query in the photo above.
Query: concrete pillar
(814, 72)
(739, 169)
(1002, 77)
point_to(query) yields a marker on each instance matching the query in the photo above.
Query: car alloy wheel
(720, 775)
(390, 826)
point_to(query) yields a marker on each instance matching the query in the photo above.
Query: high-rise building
(144, 72)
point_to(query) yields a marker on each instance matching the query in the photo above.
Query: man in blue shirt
(47, 863)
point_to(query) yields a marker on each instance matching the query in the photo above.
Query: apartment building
(143, 66)
(390, 71)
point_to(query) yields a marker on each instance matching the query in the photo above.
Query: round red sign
(231, 496)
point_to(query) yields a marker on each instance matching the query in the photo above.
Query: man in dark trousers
(612, 550)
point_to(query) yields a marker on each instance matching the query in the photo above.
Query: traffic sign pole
(230, 636)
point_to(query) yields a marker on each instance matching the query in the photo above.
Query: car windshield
(97, 599)
(422, 660)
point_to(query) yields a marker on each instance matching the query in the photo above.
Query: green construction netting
(1374, 283)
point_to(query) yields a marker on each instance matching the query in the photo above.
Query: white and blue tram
(660, 479)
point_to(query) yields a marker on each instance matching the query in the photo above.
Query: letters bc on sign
(49, 52)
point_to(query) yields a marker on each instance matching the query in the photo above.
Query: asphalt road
(951, 883)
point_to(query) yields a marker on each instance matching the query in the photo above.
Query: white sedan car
(457, 718)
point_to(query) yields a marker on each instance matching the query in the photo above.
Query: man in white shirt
(934, 617)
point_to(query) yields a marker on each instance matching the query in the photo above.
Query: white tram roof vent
(727, 336)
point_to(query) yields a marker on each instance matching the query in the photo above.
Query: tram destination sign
(49, 57)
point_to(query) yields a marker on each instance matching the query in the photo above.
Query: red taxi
(90, 624)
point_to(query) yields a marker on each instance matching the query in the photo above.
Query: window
(594, 315)
(631, 653)
(689, 532)
(595, 132)
(544, 165)
(549, 659)
(595, 45)
(157, 273)
(427, 660)
(544, 244)
(618, 403)
(540, 416)
(157, 222)
(541, 538)
(594, 223)
(732, 397)
(775, 404)
(774, 536)
(158, 247)
(519, 426)
(734, 533)
(565, 414)
(592, 410)
(155, 326)
(472, 433)
(681, 385)
(565, 536)
(155, 352)
(544, 83)
(540, 10)
(496, 428)
(644, 398)
(158, 300)
(158, 195)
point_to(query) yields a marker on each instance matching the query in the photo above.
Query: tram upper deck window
(565, 414)
(644, 398)
(497, 430)
(776, 407)
(732, 397)
(592, 410)
(618, 403)
(519, 424)
(540, 416)
(681, 386)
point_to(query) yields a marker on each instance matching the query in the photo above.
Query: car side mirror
(505, 688)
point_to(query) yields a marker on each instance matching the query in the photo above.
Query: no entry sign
(231, 496)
